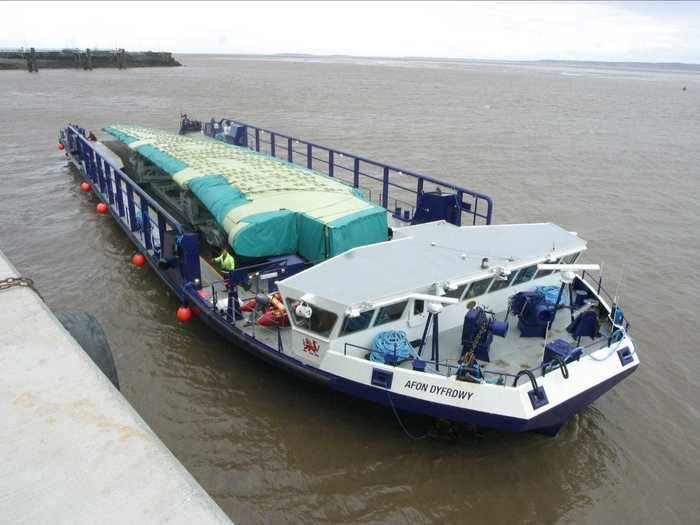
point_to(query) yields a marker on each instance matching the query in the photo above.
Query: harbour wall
(32, 59)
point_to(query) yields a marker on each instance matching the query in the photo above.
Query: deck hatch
(625, 355)
(382, 378)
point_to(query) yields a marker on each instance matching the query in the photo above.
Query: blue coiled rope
(389, 344)
(551, 293)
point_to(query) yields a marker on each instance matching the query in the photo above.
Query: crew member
(225, 260)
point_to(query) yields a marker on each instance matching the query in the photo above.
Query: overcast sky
(631, 31)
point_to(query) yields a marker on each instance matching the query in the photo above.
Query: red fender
(273, 318)
(248, 306)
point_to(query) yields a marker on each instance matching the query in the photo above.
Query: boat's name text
(445, 391)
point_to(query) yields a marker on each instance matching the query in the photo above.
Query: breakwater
(33, 60)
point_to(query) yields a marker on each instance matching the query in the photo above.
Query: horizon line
(443, 59)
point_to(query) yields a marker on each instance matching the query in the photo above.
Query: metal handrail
(449, 364)
(596, 284)
(135, 214)
(356, 172)
(135, 187)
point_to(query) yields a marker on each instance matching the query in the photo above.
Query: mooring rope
(403, 427)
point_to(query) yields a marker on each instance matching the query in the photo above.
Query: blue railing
(146, 221)
(249, 278)
(366, 174)
(597, 285)
(451, 366)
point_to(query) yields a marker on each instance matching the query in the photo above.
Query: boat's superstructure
(497, 325)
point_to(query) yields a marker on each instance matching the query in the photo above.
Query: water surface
(610, 154)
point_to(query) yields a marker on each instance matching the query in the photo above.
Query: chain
(469, 356)
(482, 330)
(26, 282)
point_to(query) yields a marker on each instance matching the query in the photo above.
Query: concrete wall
(72, 449)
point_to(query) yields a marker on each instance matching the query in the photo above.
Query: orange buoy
(184, 313)
(85, 187)
(138, 259)
(61, 146)
(101, 207)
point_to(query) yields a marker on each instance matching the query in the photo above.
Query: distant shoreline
(685, 66)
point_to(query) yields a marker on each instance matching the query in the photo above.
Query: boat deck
(508, 354)
(267, 335)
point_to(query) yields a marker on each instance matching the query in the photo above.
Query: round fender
(88, 332)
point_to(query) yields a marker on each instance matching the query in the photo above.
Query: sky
(611, 31)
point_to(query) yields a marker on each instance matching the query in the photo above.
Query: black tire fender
(90, 335)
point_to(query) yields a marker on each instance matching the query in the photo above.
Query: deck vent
(625, 355)
(382, 378)
(538, 402)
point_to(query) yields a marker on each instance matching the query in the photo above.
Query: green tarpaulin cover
(266, 206)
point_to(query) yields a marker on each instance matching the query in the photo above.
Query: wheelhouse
(393, 285)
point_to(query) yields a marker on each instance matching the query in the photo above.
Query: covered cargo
(266, 206)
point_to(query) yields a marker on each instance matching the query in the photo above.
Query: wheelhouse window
(542, 273)
(418, 306)
(320, 322)
(525, 275)
(500, 284)
(457, 292)
(391, 312)
(478, 288)
(570, 259)
(356, 324)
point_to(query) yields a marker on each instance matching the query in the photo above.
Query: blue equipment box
(435, 206)
(284, 266)
(562, 349)
(237, 135)
(534, 313)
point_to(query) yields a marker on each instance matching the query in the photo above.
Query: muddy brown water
(610, 153)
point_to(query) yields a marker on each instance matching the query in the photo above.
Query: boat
(375, 281)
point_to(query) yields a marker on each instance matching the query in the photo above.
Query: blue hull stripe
(551, 419)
